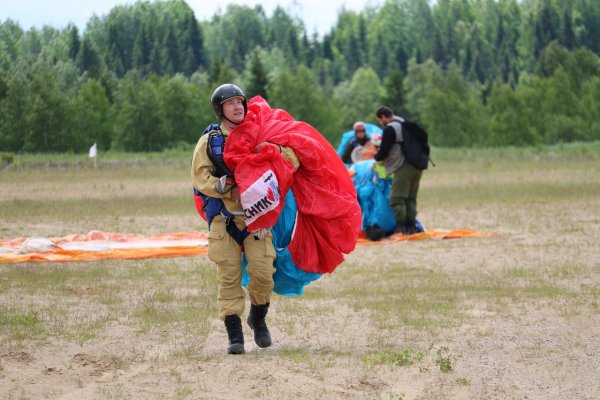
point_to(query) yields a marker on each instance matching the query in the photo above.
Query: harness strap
(213, 207)
(233, 230)
(216, 144)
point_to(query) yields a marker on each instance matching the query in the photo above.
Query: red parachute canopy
(329, 216)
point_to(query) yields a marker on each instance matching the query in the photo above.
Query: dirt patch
(526, 348)
(524, 322)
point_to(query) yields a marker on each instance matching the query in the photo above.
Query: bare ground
(537, 346)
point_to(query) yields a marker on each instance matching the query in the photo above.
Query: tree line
(472, 72)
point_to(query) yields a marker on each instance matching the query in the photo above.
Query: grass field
(511, 316)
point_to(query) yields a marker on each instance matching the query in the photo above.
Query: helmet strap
(230, 121)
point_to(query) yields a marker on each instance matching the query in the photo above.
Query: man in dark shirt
(407, 177)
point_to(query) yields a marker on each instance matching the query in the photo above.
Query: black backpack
(416, 144)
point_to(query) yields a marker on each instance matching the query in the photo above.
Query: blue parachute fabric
(288, 278)
(347, 136)
(283, 228)
(373, 197)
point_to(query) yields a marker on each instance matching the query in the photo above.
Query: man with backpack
(404, 152)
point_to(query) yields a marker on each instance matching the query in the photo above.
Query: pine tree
(142, 49)
(170, 55)
(194, 53)
(74, 42)
(547, 27)
(567, 36)
(394, 92)
(114, 56)
(89, 60)
(258, 81)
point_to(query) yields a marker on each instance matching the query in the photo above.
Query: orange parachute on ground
(98, 245)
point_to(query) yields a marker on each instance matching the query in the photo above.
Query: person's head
(384, 115)
(229, 102)
(360, 129)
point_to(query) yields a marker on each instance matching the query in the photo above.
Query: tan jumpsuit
(225, 251)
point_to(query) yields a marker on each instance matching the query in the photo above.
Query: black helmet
(223, 93)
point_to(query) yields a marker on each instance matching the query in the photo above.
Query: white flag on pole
(93, 151)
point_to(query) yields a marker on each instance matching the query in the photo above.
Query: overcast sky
(318, 15)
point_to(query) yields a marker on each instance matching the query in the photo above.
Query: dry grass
(513, 316)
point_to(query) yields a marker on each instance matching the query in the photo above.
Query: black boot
(411, 227)
(256, 321)
(374, 232)
(401, 228)
(233, 323)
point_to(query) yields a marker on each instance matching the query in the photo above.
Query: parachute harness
(213, 206)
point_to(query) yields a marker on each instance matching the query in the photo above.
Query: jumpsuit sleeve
(203, 171)
(290, 155)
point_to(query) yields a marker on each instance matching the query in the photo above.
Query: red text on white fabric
(261, 197)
